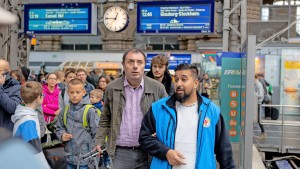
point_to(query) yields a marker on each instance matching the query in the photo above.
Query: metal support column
(234, 25)
(14, 60)
(226, 26)
(9, 41)
(249, 102)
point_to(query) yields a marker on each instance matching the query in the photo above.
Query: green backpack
(84, 115)
(270, 90)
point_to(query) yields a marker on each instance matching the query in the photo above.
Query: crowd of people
(132, 117)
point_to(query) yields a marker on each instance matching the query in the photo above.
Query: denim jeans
(71, 166)
(104, 160)
(126, 158)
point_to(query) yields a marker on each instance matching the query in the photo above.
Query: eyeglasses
(103, 81)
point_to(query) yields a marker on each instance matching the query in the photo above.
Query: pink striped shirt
(132, 116)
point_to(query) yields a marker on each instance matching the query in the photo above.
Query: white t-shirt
(186, 134)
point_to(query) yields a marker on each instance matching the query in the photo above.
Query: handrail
(279, 105)
(283, 121)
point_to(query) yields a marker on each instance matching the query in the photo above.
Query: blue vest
(166, 123)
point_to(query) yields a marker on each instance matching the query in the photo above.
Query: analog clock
(116, 19)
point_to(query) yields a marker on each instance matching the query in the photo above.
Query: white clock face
(116, 19)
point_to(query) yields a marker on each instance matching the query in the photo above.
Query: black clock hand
(109, 18)
(116, 16)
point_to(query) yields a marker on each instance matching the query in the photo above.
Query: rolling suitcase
(272, 112)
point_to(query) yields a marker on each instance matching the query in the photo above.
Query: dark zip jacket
(10, 97)
(167, 81)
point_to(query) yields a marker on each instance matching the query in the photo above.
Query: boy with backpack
(77, 125)
(26, 121)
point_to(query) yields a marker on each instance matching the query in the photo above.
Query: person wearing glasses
(103, 82)
(9, 96)
(186, 130)
(25, 119)
(127, 99)
(50, 103)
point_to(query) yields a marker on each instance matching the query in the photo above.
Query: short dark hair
(19, 75)
(68, 71)
(134, 50)
(76, 82)
(81, 70)
(187, 66)
(107, 79)
(31, 91)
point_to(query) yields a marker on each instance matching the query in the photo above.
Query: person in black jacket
(10, 95)
(159, 71)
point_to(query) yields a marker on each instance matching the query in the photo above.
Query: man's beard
(182, 97)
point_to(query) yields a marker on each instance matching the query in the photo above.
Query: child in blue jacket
(26, 121)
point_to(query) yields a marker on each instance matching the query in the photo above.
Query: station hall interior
(229, 40)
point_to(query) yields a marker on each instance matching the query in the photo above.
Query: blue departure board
(175, 17)
(76, 18)
(174, 61)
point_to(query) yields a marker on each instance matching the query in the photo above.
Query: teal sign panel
(231, 93)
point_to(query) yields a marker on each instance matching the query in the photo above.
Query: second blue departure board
(59, 19)
(175, 17)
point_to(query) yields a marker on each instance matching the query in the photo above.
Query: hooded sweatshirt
(27, 127)
(50, 102)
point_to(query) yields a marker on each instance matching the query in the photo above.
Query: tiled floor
(257, 159)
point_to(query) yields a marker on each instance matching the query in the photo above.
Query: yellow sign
(108, 65)
(292, 64)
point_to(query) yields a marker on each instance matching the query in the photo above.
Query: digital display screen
(174, 60)
(176, 17)
(59, 18)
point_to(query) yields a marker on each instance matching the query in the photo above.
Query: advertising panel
(291, 79)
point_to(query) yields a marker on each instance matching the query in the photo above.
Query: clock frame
(116, 19)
